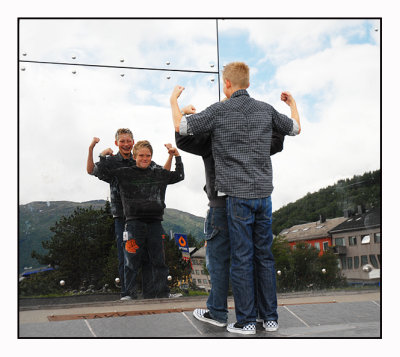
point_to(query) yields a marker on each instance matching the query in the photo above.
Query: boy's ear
(228, 83)
(116, 143)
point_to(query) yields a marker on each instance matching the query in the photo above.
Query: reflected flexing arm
(90, 162)
(168, 163)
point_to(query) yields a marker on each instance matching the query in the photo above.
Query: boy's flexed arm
(289, 100)
(176, 112)
(178, 174)
(90, 162)
(168, 163)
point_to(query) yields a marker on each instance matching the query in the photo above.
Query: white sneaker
(125, 298)
(271, 326)
(172, 296)
(248, 329)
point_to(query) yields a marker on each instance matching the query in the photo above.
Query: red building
(315, 234)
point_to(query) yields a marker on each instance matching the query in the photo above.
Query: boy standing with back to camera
(241, 130)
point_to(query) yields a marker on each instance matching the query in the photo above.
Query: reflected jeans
(147, 272)
(145, 243)
(250, 231)
(119, 224)
(217, 262)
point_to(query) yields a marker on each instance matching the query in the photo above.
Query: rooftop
(312, 230)
(366, 220)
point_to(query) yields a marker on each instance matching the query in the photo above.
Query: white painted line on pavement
(192, 324)
(375, 303)
(90, 329)
(305, 323)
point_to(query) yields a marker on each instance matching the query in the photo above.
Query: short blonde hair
(143, 144)
(123, 131)
(238, 73)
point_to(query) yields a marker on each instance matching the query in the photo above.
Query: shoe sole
(240, 331)
(209, 321)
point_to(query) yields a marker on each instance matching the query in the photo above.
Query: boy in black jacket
(142, 188)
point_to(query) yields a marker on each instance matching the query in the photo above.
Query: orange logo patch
(131, 246)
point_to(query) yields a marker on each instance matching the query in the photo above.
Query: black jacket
(142, 190)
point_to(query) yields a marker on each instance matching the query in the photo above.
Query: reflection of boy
(216, 228)
(124, 140)
(241, 129)
(142, 188)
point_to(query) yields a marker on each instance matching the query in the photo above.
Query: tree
(178, 268)
(302, 268)
(80, 246)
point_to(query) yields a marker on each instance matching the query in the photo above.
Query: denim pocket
(216, 222)
(210, 230)
(241, 209)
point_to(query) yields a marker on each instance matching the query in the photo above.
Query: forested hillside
(330, 202)
(36, 218)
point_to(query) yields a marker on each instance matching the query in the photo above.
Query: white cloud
(283, 40)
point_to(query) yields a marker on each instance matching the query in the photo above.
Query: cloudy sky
(331, 66)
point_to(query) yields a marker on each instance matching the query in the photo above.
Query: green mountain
(330, 202)
(36, 218)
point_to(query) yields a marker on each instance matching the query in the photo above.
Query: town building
(316, 234)
(357, 242)
(354, 238)
(199, 275)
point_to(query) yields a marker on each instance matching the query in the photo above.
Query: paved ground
(342, 314)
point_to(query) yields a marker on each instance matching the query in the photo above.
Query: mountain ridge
(36, 218)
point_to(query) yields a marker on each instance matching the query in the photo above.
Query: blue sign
(181, 241)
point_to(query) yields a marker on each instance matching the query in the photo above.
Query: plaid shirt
(241, 130)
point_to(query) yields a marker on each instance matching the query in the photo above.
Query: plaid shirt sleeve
(204, 121)
(283, 124)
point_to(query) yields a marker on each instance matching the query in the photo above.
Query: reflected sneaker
(204, 315)
(172, 296)
(126, 298)
(271, 325)
(247, 329)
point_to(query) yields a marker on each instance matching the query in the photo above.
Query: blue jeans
(147, 272)
(119, 224)
(250, 231)
(217, 262)
(147, 246)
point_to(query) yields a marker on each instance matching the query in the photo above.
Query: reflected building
(315, 234)
(357, 241)
(200, 276)
(354, 238)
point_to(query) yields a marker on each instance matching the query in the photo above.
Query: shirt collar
(120, 157)
(240, 92)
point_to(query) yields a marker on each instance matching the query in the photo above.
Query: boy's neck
(125, 156)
